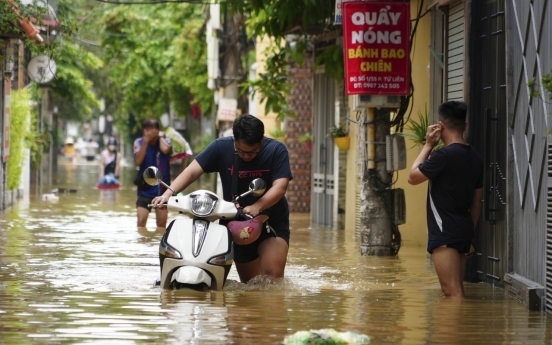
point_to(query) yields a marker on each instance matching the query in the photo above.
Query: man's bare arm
(164, 146)
(433, 135)
(139, 157)
(416, 176)
(271, 197)
(475, 208)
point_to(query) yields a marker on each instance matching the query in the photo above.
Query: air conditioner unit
(399, 206)
(376, 101)
(395, 148)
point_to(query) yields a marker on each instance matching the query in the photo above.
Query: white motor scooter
(196, 252)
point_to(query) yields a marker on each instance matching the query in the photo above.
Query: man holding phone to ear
(455, 174)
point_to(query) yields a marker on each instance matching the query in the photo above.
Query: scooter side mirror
(152, 176)
(257, 187)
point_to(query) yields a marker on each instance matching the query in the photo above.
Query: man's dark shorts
(464, 247)
(250, 252)
(144, 201)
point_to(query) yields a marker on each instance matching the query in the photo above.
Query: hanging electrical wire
(408, 101)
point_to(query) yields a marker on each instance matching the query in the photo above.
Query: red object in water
(109, 186)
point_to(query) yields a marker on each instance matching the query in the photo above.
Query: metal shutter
(455, 53)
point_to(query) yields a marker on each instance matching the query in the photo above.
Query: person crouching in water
(110, 165)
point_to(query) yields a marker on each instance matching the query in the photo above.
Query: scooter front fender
(216, 241)
(191, 275)
(170, 266)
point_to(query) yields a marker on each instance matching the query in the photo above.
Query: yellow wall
(352, 185)
(269, 120)
(414, 232)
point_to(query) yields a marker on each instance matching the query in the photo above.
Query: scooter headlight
(203, 204)
(168, 251)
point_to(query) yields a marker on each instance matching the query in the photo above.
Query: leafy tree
(11, 14)
(156, 56)
(72, 91)
(305, 20)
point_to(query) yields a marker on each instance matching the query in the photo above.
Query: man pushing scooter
(257, 157)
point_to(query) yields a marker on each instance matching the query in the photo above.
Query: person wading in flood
(455, 174)
(153, 149)
(257, 157)
(110, 164)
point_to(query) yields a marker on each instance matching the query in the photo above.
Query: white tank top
(108, 157)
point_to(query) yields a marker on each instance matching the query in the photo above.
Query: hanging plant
(340, 137)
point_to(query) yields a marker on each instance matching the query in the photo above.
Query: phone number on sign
(377, 85)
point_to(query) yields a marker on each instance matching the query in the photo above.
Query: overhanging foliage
(157, 57)
(301, 22)
(19, 127)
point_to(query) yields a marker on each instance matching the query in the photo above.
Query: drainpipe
(31, 31)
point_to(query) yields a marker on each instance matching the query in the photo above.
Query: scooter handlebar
(152, 205)
(243, 215)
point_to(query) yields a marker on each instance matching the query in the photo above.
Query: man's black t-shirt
(270, 164)
(454, 173)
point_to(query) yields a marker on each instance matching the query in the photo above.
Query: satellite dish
(41, 69)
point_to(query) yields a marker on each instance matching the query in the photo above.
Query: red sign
(377, 47)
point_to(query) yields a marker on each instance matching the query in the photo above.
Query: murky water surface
(78, 271)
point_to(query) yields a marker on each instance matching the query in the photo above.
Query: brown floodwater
(77, 271)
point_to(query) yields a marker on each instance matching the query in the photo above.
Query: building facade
(13, 77)
(493, 55)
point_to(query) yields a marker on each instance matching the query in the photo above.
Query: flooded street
(77, 270)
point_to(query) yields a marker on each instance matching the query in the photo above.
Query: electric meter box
(376, 101)
(396, 152)
(399, 206)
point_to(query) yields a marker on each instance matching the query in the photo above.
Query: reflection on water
(78, 271)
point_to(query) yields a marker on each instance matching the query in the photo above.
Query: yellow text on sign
(374, 53)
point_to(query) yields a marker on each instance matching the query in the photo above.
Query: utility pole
(375, 217)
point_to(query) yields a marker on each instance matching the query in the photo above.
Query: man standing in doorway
(153, 149)
(455, 174)
(257, 157)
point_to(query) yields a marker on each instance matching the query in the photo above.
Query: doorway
(488, 134)
(323, 177)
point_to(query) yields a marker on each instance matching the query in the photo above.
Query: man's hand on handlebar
(160, 201)
(252, 210)
(255, 211)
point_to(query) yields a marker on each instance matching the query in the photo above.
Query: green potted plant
(416, 130)
(306, 139)
(340, 137)
(278, 134)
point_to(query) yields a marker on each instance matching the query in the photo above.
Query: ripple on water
(262, 283)
(87, 273)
